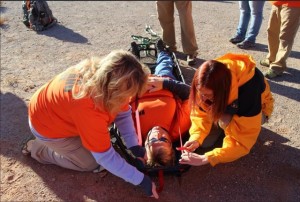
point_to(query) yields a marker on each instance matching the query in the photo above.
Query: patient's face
(157, 138)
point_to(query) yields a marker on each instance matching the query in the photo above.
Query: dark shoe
(27, 145)
(99, 169)
(271, 74)
(161, 46)
(135, 49)
(265, 63)
(191, 59)
(236, 39)
(245, 45)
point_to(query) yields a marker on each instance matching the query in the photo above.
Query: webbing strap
(161, 181)
(138, 126)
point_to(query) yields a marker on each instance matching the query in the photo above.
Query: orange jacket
(286, 3)
(55, 114)
(162, 109)
(242, 132)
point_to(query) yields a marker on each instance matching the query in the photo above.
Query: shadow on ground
(65, 34)
(264, 48)
(277, 86)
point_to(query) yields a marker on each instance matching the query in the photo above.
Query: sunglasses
(162, 139)
(207, 101)
(153, 140)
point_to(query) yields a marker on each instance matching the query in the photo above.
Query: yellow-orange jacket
(244, 128)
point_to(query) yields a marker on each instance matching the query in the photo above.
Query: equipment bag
(37, 15)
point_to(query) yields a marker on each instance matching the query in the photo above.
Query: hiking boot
(135, 49)
(271, 74)
(191, 59)
(236, 39)
(161, 46)
(265, 62)
(245, 45)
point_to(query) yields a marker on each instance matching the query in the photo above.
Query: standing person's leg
(165, 11)
(273, 36)
(290, 19)
(67, 153)
(243, 22)
(188, 37)
(256, 8)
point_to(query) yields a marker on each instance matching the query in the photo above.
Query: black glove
(138, 151)
(146, 184)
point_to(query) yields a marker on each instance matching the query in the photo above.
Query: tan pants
(165, 11)
(283, 25)
(67, 153)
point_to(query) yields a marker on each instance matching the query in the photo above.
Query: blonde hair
(110, 81)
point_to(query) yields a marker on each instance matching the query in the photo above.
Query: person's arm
(178, 88)
(200, 127)
(125, 125)
(116, 165)
(240, 136)
(267, 101)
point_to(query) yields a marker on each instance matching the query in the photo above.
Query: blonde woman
(70, 116)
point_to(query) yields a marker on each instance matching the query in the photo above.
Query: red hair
(215, 76)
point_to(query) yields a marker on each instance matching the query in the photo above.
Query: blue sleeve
(116, 165)
(125, 125)
(178, 88)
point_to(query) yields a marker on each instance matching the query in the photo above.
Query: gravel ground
(271, 172)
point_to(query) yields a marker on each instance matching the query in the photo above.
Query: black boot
(160, 46)
(135, 49)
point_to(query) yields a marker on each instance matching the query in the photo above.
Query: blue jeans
(164, 66)
(250, 12)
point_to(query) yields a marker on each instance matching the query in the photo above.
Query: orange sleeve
(201, 125)
(240, 136)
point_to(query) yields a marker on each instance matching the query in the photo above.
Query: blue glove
(138, 151)
(146, 184)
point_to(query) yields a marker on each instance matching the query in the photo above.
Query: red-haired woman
(231, 94)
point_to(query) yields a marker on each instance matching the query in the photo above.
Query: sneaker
(265, 62)
(236, 39)
(245, 45)
(26, 145)
(99, 169)
(270, 74)
(191, 59)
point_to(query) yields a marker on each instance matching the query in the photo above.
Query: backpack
(37, 15)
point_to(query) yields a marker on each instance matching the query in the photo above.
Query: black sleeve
(178, 88)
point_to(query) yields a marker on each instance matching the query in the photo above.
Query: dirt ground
(271, 172)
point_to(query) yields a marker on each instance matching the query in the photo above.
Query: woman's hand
(154, 192)
(191, 145)
(155, 84)
(193, 159)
